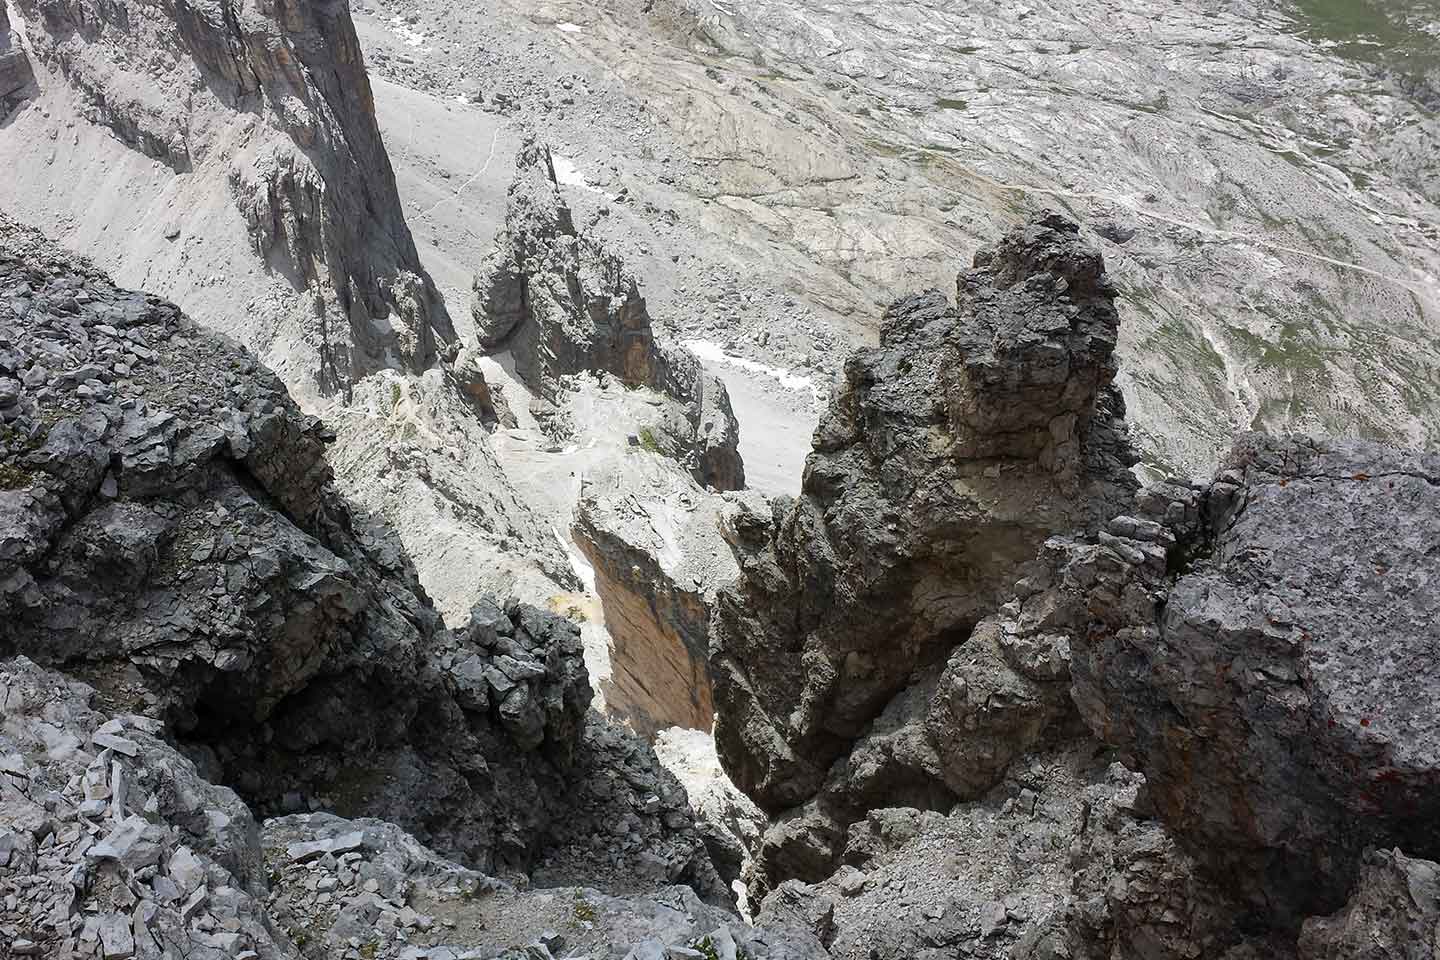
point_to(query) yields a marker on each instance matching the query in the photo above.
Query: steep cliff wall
(273, 97)
(15, 73)
(652, 537)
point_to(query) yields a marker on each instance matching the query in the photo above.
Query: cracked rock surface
(948, 455)
(169, 532)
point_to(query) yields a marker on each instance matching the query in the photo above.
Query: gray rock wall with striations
(306, 166)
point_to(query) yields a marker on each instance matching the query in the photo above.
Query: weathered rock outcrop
(170, 533)
(112, 844)
(276, 92)
(947, 457)
(652, 538)
(560, 304)
(1275, 673)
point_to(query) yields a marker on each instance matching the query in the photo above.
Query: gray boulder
(1275, 669)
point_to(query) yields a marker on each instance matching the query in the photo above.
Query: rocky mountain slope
(172, 535)
(1259, 174)
(229, 158)
(941, 755)
(988, 694)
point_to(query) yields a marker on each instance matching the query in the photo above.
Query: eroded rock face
(652, 538)
(113, 844)
(1276, 675)
(948, 455)
(561, 304)
(170, 533)
(1394, 914)
(278, 92)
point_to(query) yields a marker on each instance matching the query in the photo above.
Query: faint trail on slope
(494, 139)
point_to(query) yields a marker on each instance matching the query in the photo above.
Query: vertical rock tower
(947, 457)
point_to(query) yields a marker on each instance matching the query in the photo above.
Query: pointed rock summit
(561, 304)
(949, 453)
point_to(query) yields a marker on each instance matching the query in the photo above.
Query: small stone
(117, 941)
(119, 744)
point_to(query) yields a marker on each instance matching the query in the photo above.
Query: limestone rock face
(169, 532)
(561, 304)
(306, 166)
(948, 455)
(651, 536)
(15, 72)
(1394, 914)
(1276, 672)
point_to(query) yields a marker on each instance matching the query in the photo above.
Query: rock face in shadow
(560, 304)
(169, 532)
(947, 457)
(15, 73)
(280, 93)
(1273, 670)
(1394, 913)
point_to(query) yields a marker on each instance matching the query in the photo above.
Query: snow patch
(567, 174)
(578, 564)
(710, 352)
(568, 27)
(414, 38)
